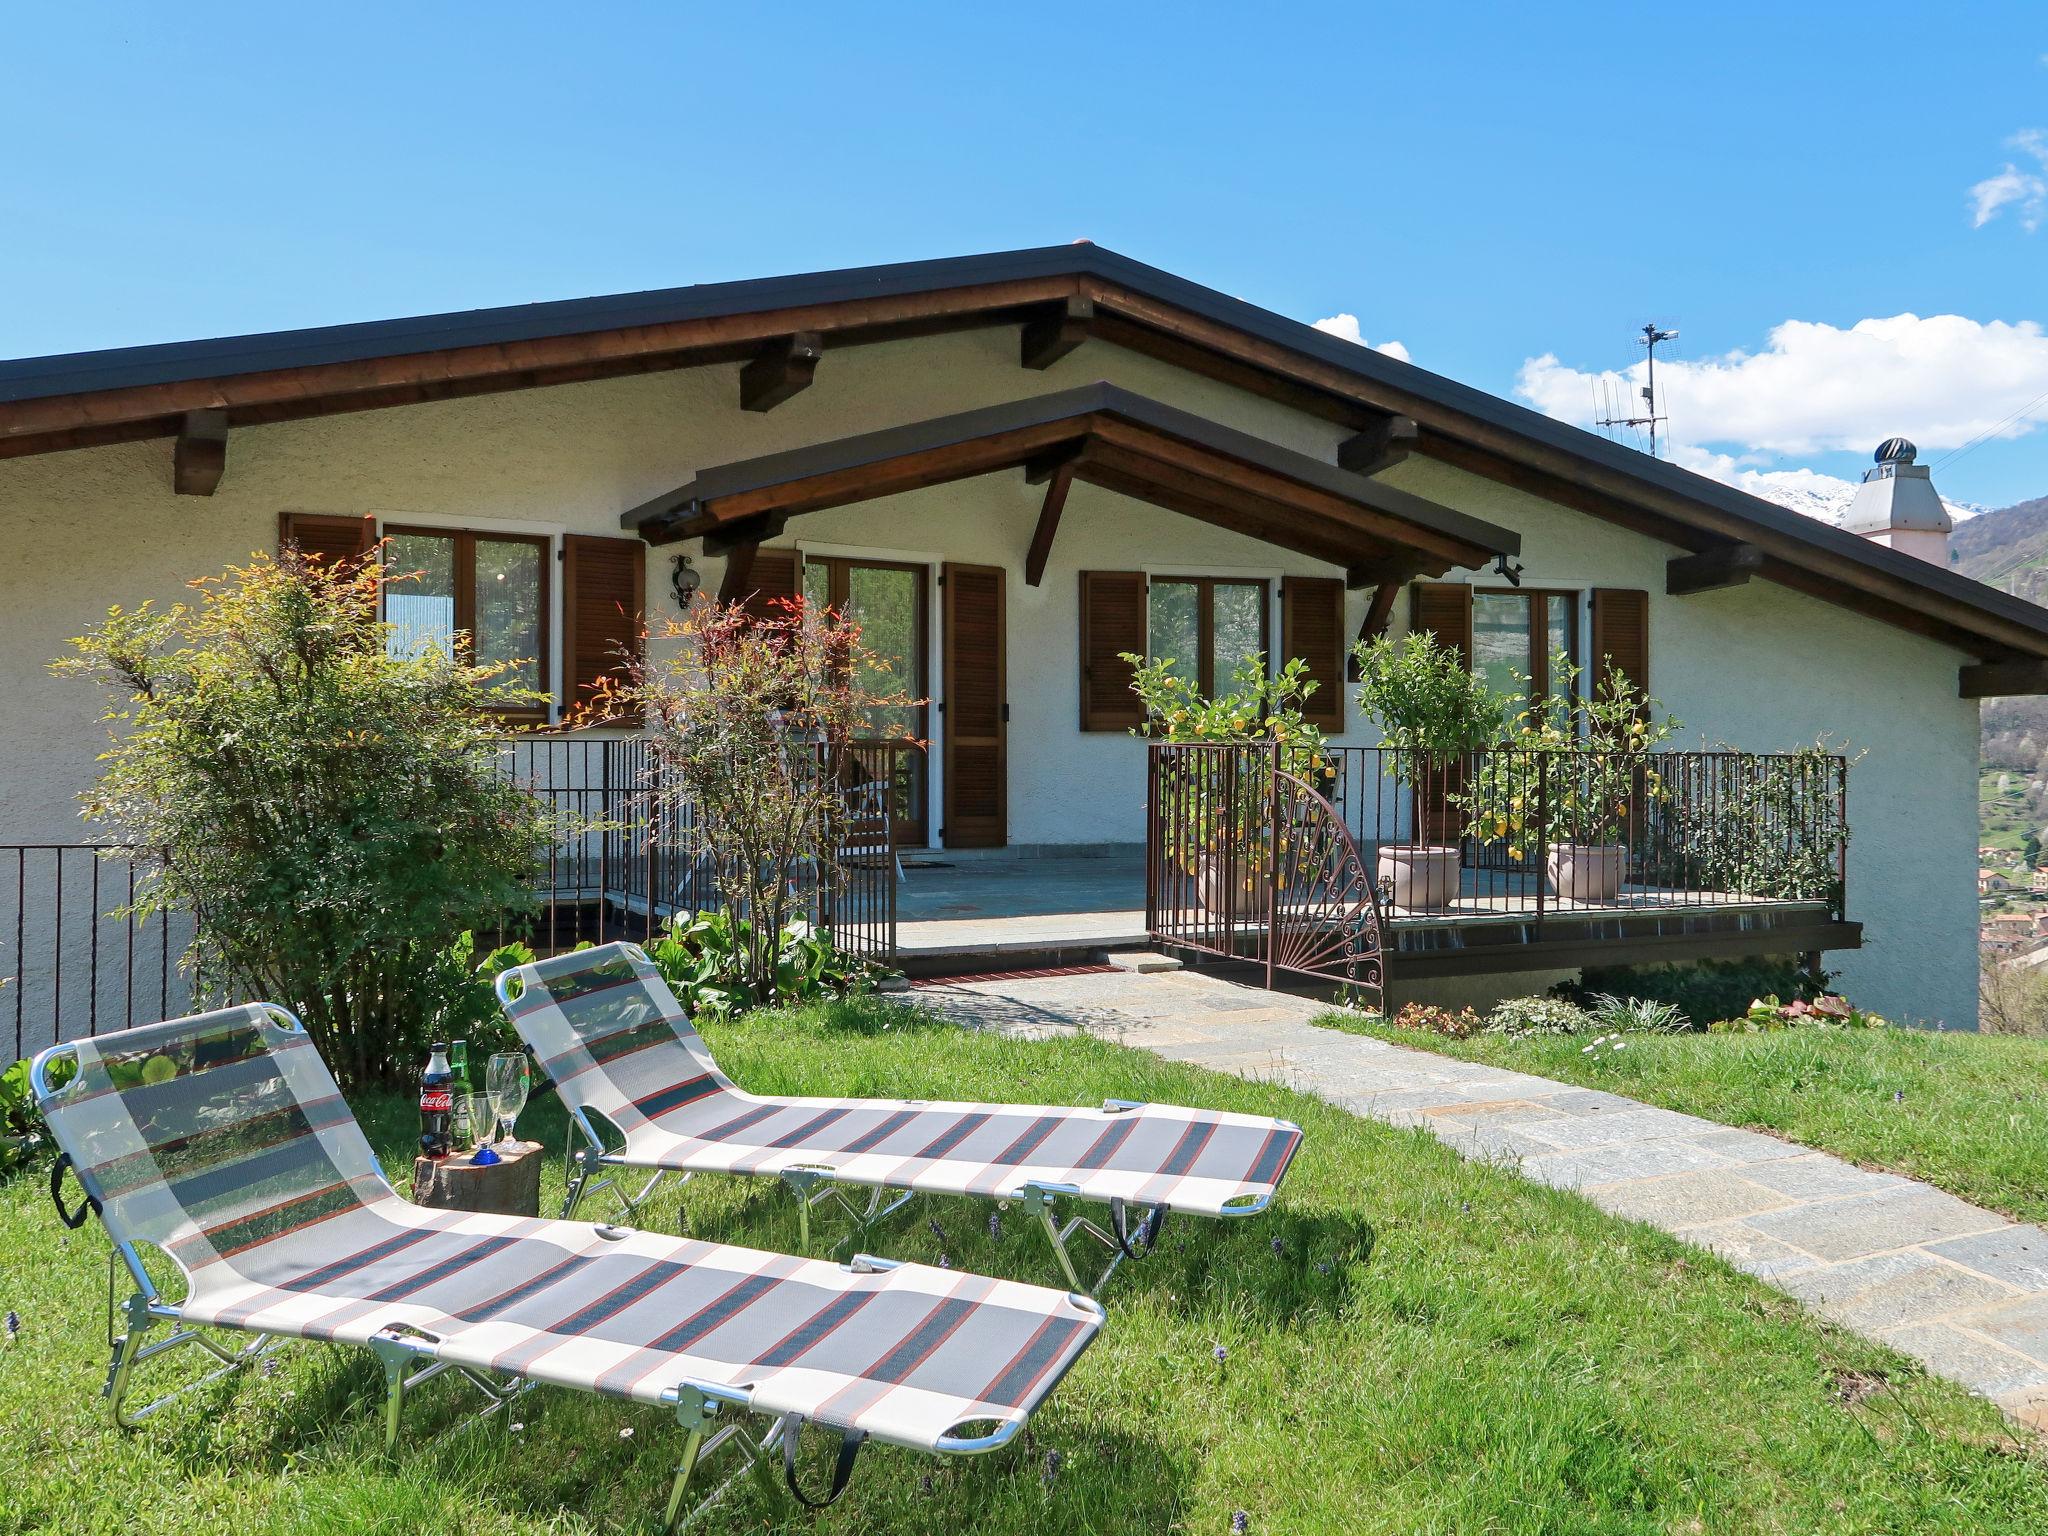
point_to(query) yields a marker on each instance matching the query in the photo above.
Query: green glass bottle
(462, 1132)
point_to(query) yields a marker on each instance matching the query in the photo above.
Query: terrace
(1724, 853)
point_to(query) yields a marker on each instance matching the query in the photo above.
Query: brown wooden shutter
(776, 574)
(604, 600)
(1312, 627)
(977, 801)
(1621, 637)
(1112, 622)
(1444, 609)
(331, 540)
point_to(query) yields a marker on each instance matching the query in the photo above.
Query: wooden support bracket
(1725, 565)
(200, 456)
(1380, 446)
(1056, 330)
(782, 368)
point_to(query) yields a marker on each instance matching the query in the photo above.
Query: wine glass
(505, 1083)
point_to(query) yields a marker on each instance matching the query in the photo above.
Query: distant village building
(1991, 881)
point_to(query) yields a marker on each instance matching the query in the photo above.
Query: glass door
(887, 601)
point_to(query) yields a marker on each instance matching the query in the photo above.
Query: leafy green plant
(457, 999)
(1517, 1016)
(1767, 1015)
(1429, 1019)
(1233, 809)
(1772, 826)
(1580, 770)
(704, 959)
(327, 807)
(1638, 1015)
(1704, 991)
(1428, 705)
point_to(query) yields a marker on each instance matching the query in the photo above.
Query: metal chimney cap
(1895, 450)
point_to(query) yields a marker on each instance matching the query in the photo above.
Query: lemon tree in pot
(1581, 774)
(1431, 712)
(1221, 836)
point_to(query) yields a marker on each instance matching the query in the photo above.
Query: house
(1015, 468)
(1990, 881)
(2008, 933)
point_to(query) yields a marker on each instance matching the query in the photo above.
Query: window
(1514, 635)
(490, 589)
(1207, 624)
(887, 601)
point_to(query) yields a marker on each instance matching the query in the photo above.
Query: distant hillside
(2007, 549)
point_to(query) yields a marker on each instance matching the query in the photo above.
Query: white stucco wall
(1756, 667)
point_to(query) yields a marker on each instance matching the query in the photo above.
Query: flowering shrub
(748, 721)
(1428, 1019)
(1518, 1016)
(1829, 1011)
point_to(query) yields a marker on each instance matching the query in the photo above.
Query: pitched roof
(79, 399)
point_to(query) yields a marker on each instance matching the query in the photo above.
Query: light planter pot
(1424, 875)
(1212, 886)
(1586, 871)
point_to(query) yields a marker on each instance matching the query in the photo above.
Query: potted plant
(1580, 769)
(1432, 711)
(1224, 840)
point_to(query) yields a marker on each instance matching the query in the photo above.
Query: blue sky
(1486, 185)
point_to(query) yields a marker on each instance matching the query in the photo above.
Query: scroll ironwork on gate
(1246, 858)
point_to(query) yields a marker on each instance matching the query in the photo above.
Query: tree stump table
(508, 1187)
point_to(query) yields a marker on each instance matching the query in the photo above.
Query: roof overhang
(1101, 435)
(1058, 294)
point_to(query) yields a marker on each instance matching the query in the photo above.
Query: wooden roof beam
(739, 572)
(2002, 679)
(1056, 330)
(1049, 512)
(755, 531)
(1380, 446)
(1378, 615)
(200, 456)
(1725, 565)
(1398, 569)
(784, 367)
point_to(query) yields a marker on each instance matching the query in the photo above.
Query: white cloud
(2023, 189)
(1941, 380)
(1345, 328)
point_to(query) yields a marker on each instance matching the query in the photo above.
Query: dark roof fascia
(1101, 398)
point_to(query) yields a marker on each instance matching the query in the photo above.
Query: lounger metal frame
(409, 1360)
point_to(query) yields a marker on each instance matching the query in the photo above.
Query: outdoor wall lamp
(684, 580)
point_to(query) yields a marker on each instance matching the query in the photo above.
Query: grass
(1966, 1112)
(1433, 1346)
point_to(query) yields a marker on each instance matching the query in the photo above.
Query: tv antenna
(1650, 417)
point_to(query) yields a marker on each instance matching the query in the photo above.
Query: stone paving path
(1963, 1289)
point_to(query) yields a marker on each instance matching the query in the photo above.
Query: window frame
(1538, 635)
(1205, 620)
(464, 540)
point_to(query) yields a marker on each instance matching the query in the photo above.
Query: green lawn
(1433, 1346)
(1967, 1112)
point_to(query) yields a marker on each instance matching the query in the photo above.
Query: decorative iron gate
(1247, 859)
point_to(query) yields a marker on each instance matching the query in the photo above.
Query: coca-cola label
(436, 1101)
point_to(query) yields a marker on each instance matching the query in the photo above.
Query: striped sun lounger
(615, 1041)
(223, 1141)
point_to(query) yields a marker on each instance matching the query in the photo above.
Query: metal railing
(1247, 859)
(1506, 834)
(623, 862)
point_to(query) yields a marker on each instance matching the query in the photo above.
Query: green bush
(329, 809)
(1706, 991)
(705, 960)
(1518, 1016)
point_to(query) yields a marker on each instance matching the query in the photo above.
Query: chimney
(1896, 505)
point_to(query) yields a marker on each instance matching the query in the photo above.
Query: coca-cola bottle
(437, 1104)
